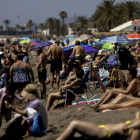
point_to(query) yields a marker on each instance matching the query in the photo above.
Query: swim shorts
(42, 75)
(56, 64)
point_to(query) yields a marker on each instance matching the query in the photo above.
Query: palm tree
(105, 13)
(22, 29)
(129, 10)
(63, 15)
(36, 28)
(51, 24)
(30, 24)
(8, 29)
(7, 22)
(41, 26)
(1, 28)
(12, 30)
(82, 21)
(17, 28)
(57, 26)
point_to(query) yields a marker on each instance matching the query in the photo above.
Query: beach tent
(107, 46)
(42, 44)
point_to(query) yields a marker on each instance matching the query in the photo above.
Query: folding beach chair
(80, 88)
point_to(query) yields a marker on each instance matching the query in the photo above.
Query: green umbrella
(24, 42)
(107, 46)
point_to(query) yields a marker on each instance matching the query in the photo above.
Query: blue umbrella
(42, 44)
(117, 39)
(70, 39)
(104, 37)
(24, 38)
(88, 50)
(34, 41)
(70, 47)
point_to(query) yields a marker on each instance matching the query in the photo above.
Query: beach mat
(80, 103)
(106, 110)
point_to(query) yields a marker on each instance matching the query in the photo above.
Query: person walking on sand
(41, 69)
(57, 55)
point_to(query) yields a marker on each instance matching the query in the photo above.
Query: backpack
(36, 126)
(16, 130)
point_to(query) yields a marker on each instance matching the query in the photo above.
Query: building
(128, 26)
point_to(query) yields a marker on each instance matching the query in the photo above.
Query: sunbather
(129, 129)
(133, 89)
(59, 95)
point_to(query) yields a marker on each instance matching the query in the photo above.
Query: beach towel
(106, 110)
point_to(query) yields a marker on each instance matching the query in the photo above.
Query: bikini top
(21, 75)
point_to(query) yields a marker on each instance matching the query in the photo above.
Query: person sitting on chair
(59, 95)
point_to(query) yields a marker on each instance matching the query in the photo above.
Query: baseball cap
(76, 64)
(115, 63)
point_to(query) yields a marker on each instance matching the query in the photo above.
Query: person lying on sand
(59, 95)
(129, 130)
(133, 89)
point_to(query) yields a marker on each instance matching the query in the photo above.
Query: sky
(39, 10)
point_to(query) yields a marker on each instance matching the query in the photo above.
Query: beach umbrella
(32, 44)
(24, 38)
(70, 40)
(42, 44)
(72, 46)
(117, 39)
(104, 37)
(133, 36)
(35, 41)
(107, 46)
(81, 39)
(87, 50)
(125, 35)
(69, 36)
(85, 35)
(24, 42)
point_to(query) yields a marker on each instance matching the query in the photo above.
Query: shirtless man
(7, 63)
(91, 40)
(79, 53)
(41, 69)
(133, 89)
(57, 55)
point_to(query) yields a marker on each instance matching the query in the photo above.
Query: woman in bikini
(129, 129)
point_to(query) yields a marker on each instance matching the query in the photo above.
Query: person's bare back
(79, 51)
(43, 60)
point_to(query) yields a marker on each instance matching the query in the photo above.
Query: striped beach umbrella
(133, 36)
(116, 39)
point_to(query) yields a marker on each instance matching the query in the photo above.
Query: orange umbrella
(133, 36)
(32, 44)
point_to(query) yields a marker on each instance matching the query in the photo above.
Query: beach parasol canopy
(35, 41)
(104, 37)
(133, 36)
(42, 44)
(24, 42)
(81, 39)
(68, 36)
(117, 39)
(32, 44)
(24, 38)
(107, 46)
(84, 35)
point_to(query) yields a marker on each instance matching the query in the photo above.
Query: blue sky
(40, 10)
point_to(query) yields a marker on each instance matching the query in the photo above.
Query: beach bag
(103, 73)
(36, 126)
(17, 129)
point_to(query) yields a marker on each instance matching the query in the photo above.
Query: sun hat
(88, 57)
(30, 92)
(109, 66)
(115, 63)
(100, 52)
(3, 69)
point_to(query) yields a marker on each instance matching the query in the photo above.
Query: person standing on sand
(57, 55)
(41, 69)
(79, 53)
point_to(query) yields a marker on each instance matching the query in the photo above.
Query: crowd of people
(17, 81)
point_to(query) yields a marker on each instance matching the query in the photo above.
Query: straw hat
(30, 92)
(88, 57)
(100, 52)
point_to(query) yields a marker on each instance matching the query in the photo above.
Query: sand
(58, 120)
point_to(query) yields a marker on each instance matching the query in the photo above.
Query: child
(115, 74)
(3, 77)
